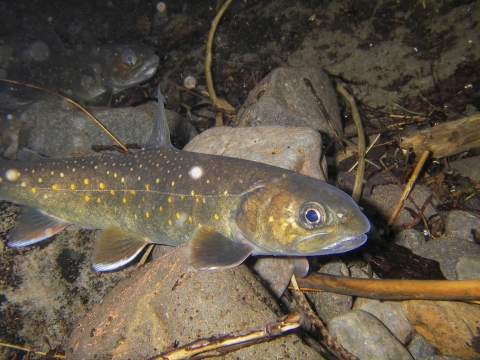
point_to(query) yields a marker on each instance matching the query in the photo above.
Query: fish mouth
(141, 74)
(331, 247)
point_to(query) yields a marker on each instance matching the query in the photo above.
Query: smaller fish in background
(89, 76)
(86, 75)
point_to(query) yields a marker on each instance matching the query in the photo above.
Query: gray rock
(293, 149)
(448, 326)
(468, 167)
(448, 251)
(468, 268)
(364, 272)
(419, 347)
(385, 197)
(391, 315)
(460, 224)
(274, 272)
(51, 130)
(410, 238)
(473, 204)
(366, 337)
(167, 301)
(328, 305)
(283, 98)
(47, 288)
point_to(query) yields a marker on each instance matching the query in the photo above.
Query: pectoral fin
(32, 225)
(211, 250)
(115, 248)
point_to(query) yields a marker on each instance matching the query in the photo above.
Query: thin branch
(208, 56)
(393, 289)
(221, 344)
(409, 186)
(30, 350)
(358, 187)
(313, 324)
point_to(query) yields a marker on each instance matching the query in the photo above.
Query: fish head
(297, 215)
(125, 66)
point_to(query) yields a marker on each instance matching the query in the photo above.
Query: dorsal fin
(160, 135)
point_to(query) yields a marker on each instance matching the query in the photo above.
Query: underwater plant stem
(358, 187)
(208, 56)
(216, 101)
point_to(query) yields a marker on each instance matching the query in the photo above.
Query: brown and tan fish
(227, 208)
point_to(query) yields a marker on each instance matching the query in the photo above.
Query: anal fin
(211, 250)
(115, 248)
(32, 226)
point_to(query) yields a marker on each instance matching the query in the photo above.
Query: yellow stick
(208, 55)
(394, 289)
(409, 186)
(358, 187)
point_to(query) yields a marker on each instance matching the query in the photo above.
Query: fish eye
(312, 215)
(129, 57)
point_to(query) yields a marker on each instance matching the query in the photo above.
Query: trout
(227, 208)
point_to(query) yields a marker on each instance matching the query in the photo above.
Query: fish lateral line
(257, 209)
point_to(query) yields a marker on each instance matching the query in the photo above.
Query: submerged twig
(221, 344)
(34, 351)
(393, 289)
(216, 101)
(409, 186)
(366, 152)
(358, 187)
(316, 326)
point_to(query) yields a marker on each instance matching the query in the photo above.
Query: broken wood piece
(312, 323)
(446, 139)
(222, 344)
(408, 186)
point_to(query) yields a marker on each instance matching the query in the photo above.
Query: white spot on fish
(181, 218)
(196, 172)
(12, 174)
